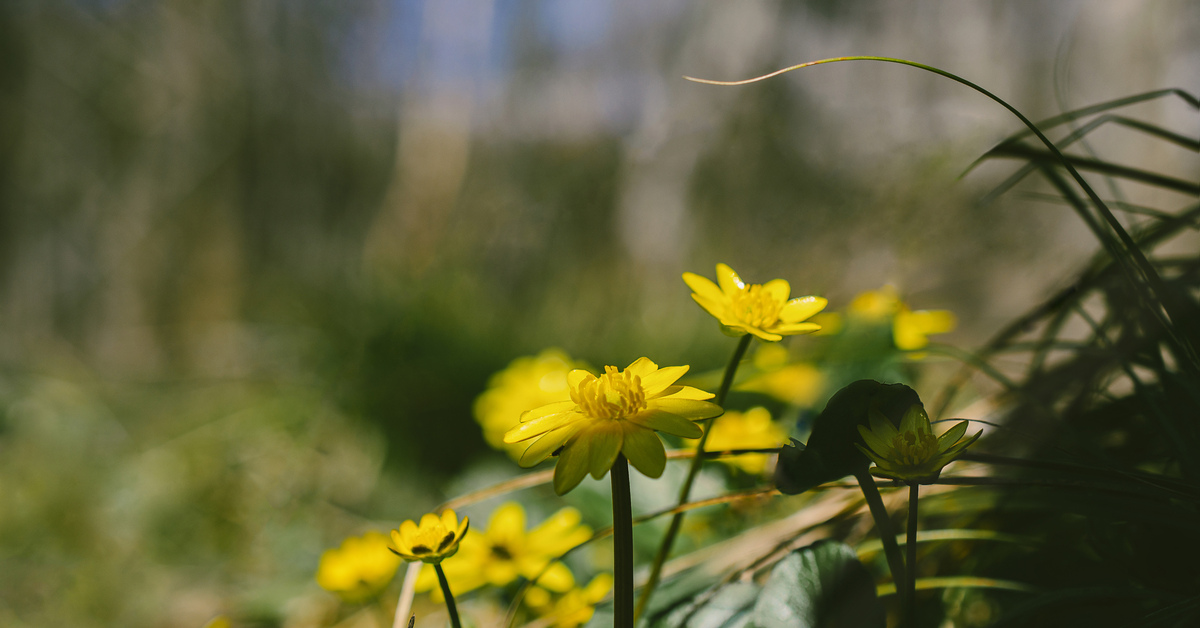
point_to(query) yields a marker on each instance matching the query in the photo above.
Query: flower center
(755, 307)
(912, 449)
(613, 395)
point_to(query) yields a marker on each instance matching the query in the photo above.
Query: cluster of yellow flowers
(546, 405)
(359, 569)
(506, 551)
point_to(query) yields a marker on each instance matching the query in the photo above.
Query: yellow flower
(752, 429)
(436, 539)
(910, 330)
(573, 609)
(527, 382)
(799, 384)
(911, 454)
(359, 569)
(505, 551)
(615, 413)
(763, 310)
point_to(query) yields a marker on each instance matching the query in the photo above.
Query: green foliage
(819, 586)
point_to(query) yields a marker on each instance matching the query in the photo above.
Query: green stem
(622, 545)
(664, 549)
(450, 607)
(910, 564)
(887, 535)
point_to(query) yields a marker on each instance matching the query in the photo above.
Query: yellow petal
(576, 376)
(429, 521)
(716, 308)
(687, 408)
(653, 384)
(645, 451)
(879, 447)
(450, 520)
(599, 587)
(557, 578)
(881, 425)
(915, 420)
(760, 333)
(779, 289)
(945, 441)
(669, 422)
(507, 526)
(801, 308)
(547, 410)
(544, 446)
(791, 329)
(541, 425)
(685, 392)
(728, 280)
(572, 467)
(642, 367)
(604, 443)
(703, 287)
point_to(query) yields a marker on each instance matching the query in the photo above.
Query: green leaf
(819, 586)
(830, 454)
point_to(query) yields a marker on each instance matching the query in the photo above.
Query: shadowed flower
(911, 454)
(574, 608)
(763, 310)
(436, 539)
(752, 429)
(504, 552)
(527, 382)
(615, 413)
(359, 569)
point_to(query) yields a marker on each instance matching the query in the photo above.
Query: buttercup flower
(911, 454)
(798, 383)
(752, 429)
(763, 310)
(527, 382)
(436, 539)
(359, 569)
(573, 609)
(615, 413)
(910, 330)
(505, 551)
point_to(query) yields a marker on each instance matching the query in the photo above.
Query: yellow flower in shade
(505, 551)
(574, 608)
(434, 540)
(752, 429)
(359, 569)
(799, 384)
(615, 413)
(910, 330)
(911, 454)
(527, 382)
(763, 310)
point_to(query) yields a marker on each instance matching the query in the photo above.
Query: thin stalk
(450, 606)
(622, 545)
(887, 535)
(910, 593)
(664, 549)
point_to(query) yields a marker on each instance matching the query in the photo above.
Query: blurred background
(258, 259)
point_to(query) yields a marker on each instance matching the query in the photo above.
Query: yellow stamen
(755, 307)
(613, 395)
(914, 448)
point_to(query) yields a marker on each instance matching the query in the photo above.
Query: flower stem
(887, 536)
(450, 607)
(910, 546)
(664, 549)
(622, 545)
